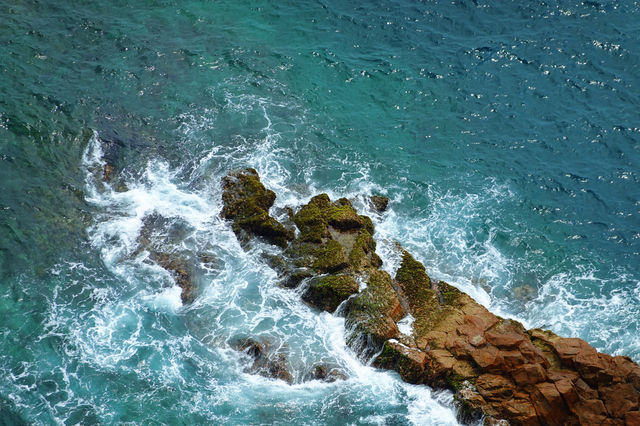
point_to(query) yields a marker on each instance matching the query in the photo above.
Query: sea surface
(506, 134)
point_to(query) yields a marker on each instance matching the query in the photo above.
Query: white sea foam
(240, 298)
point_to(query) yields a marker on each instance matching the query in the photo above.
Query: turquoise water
(507, 136)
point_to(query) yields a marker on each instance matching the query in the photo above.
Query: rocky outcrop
(379, 202)
(325, 373)
(497, 369)
(247, 203)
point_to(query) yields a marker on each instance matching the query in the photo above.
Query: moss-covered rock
(314, 218)
(311, 222)
(408, 362)
(331, 257)
(329, 291)
(414, 283)
(247, 202)
(363, 254)
(375, 311)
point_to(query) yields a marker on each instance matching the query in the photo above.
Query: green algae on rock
(497, 369)
(328, 292)
(247, 202)
(374, 312)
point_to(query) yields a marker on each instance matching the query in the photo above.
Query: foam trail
(239, 297)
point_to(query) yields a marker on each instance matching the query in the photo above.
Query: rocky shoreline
(498, 370)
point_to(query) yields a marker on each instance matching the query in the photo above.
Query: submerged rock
(325, 374)
(157, 236)
(266, 362)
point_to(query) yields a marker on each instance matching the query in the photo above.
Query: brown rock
(567, 391)
(529, 374)
(521, 411)
(409, 363)
(549, 404)
(513, 359)
(495, 387)
(107, 173)
(619, 399)
(265, 363)
(506, 340)
(379, 202)
(489, 358)
(484, 322)
(632, 418)
(590, 411)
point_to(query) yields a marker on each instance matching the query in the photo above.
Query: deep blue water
(507, 135)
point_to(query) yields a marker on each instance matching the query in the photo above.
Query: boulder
(379, 202)
(327, 292)
(247, 202)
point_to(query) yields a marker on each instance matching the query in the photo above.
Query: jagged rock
(379, 202)
(325, 374)
(408, 362)
(107, 173)
(327, 292)
(295, 277)
(247, 203)
(373, 313)
(181, 271)
(498, 370)
(265, 362)
(158, 233)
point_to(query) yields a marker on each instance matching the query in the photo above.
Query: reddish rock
(549, 404)
(513, 359)
(495, 387)
(632, 418)
(520, 411)
(619, 399)
(489, 358)
(567, 391)
(529, 374)
(507, 340)
(484, 322)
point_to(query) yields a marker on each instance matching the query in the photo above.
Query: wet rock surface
(325, 373)
(157, 236)
(379, 202)
(497, 369)
(267, 362)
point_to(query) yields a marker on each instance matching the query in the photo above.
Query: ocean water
(507, 135)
